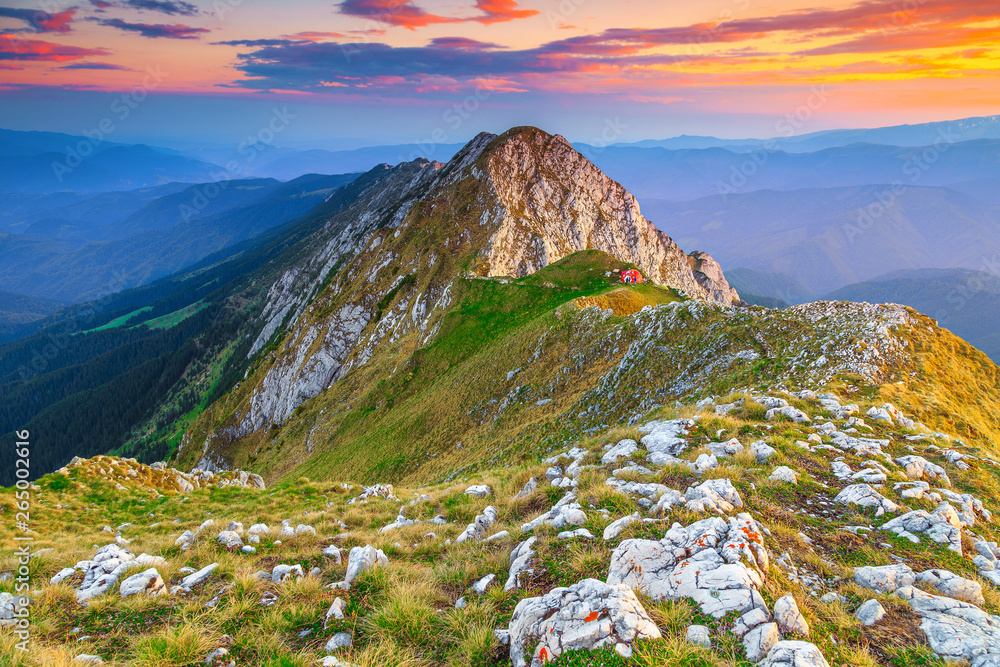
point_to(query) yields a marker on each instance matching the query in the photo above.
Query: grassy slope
(409, 406)
(416, 413)
(404, 614)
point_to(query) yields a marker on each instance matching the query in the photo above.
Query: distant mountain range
(826, 238)
(963, 300)
(84, 260)
(966, 302)
(46, 162)
(922, 134)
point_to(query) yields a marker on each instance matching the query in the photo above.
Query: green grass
(121, 321)
(172, 319)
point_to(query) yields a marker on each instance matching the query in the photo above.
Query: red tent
(631, 276)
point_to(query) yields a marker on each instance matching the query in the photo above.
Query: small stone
(339, 640)
(870, 613)
(789, 618)
(700, 635)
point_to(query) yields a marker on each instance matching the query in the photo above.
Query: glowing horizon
(725, 67)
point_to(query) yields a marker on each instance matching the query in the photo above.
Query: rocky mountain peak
(556, 202)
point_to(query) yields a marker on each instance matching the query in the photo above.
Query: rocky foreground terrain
(795, 529)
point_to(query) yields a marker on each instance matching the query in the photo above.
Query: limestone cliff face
(556, 202)
(382, 266)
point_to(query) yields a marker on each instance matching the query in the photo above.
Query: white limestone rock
(615, 528)
(885, 578)
(479, 588)
(865, 496)
(479, 491)
(282, 573)
(624, 448)
(335, 612)
(759, 641)
(951, 585)
(363, 558)
(566, 512)
(700, 635)
(587, 615)
(520, 557)
(480, 526)
(726, 449)
(790, 412)
(794, 654)
(338, 641)
(938, 525)
(784, 474)
(715, 495)
(870, 613)
(148, 582)
(230, 539)
(917, 467)
(789, 618)
(717, 563)
(955, 630)
(762, 451)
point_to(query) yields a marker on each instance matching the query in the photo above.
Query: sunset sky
(400, 71)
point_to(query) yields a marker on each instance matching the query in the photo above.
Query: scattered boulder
(480, 526)
(717, 563)
(196, 578)
(955, 630)
(230, 539)
(865, 496)
(762, 451)
(566, 512)
(784, 474)
(587, 615)
(917, 467)
(939, 525)
(951, 585)
(700, 635)
(338, 641)
(794, 654)
(870, 613)
(148, 582)
(519, 559)
(718, 495)
(612, 530)
(479, 588)
(479, 491)
(758, 642)
(624, 448)
(282, 573)
(789, 618)
(363, 558)
(528, 489)
(336, 612)
(789, 412)
(665, 440)
(885, 578)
